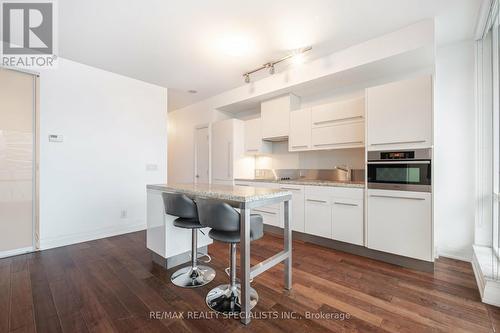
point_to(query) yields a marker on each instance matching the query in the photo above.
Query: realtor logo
(28, 32)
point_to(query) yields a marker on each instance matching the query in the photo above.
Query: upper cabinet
(253, 138)
(338, 125)
(300, 130)
(275, 115)
(399, 114)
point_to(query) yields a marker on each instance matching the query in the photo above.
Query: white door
(16, 162)
(202, 155)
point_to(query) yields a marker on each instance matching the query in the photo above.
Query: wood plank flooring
(111, 285)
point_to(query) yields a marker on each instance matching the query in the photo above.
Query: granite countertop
(241, 194)
(314, 182)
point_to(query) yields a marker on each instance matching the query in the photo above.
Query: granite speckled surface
(223, 192)
(313, 182)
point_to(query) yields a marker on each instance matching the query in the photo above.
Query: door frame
(208, 126)
(35, 220)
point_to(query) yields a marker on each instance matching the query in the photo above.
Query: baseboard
(49, 243)
(485, 266)
(359, 250)
(16, 252)
(453, 255)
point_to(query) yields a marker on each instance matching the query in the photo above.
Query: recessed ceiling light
(192, 91)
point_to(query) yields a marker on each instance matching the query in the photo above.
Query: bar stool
(225, 223)
(184, 208)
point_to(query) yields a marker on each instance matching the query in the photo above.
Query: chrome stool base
(189, 277)
(223, 299)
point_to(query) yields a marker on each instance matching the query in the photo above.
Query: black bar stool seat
(187, 223)
(177, 204)
(256, 231)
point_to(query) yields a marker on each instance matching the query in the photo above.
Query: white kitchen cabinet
(300, 130)
(348, 220)
(341, 111)
(228, 159)
(253, 138)
(341, 135)
(400, 222)
(297, 206)
(275, 114)
(399, 114)
(335, 212)
(272, 214)
(318, 214)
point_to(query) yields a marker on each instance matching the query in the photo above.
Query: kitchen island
(161, 230)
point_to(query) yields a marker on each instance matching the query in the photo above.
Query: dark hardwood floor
(111, 285)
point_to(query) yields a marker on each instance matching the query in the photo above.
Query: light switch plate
(56, 138)
(151, 167)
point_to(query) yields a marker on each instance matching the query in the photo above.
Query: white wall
(454, 154)
(113, 126)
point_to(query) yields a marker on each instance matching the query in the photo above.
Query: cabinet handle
(336, 144)
(345, 204)
(300, 146)
(289, 188)
(399, 162)
(229, 159)
(252, 150)
(314, 200)
(264, 211)
(336, 120)
(394, 197)
(396, 142)
(242, 185)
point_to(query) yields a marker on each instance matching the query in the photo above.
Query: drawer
(348, 193)
(338, 136)
(333, 113)
(269, 215)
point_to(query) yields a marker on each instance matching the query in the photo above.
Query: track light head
(296, 57)
(271, 69)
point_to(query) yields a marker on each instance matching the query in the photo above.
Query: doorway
(202, 155)
(17, 162)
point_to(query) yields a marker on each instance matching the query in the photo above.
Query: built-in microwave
(402, 170)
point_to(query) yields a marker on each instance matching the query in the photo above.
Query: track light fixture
(270, 65)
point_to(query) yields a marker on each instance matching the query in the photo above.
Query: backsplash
(317, 174)
(281, 158)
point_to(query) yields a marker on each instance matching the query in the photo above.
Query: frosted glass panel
(16, 160)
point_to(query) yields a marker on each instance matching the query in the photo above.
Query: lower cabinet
(272, 214)
(400, 223)
(318, 217)
(329, 212)
(297, 206)
(335, 213)
(347, 216)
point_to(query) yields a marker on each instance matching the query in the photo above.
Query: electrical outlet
(123, 214)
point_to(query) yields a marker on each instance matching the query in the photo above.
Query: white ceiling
(185, 45)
